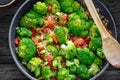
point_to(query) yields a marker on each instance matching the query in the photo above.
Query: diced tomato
(65, 17)
(50, 18)
(87, 40)
(35, 40)
(17, 40)
(72, 38)
(41, 38)
(55, 41)
(38, 31)
(50, 8)
(41, 56)
(54, 78)
(33, 31)
(50, 24)
(49, 59)
(84, 46)
(109, 31)
(41, 48)
(46, 30)
(79, 41)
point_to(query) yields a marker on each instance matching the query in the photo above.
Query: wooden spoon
(111, 47)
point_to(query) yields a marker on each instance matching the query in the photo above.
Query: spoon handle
(96, 18)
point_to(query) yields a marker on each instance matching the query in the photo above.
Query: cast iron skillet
(27, 5)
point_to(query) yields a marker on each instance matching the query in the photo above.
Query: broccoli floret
(94, 32)
(95, 43)
(57, 62)
(72, 65)
(69, 6)
(70, 77)
(81, 12)
(76, 26)
(85, 56)
(34, 66)
(55, 8)
(88, 24)
(61, 34)
(31, 19)
(76, 6)
(41, 8)
(26, 49)
(63, 74)
(72, 69)
(76, 62)
(53, 50)
(84, 33)
(68, 51)
(94, 69)
(98, 62)
(48, 39)
(55, 5)
(47, 73)
(82, 72)
(100, 53)
(24, 32)
(50, 2)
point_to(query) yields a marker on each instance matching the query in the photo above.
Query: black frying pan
(26, 6)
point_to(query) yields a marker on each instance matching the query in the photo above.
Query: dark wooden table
(8, 69)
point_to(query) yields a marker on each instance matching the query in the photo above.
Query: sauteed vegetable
(58, 40)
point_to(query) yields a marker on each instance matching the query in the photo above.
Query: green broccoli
(72, 65)
(55, 5)
(57, 62)
(34, 66)
(48, 39)
(81, 12)
(69, 6)
(94, 69)
(85, 56)
(88, 24)
(77, 26)
(26, 49)
(24, 32)
(84, 33)
(63, 74)
(72, 69)
(53, 50)
(82, 72)
(31, 19)
(100, 53)
(98, 62)
(68, 51)
(70, 77)
(41, 8)
(47, 73)
(95, 43)
(94, 32)
(61, 34)
(76, 62)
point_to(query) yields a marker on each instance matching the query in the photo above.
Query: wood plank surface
(9, 70)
